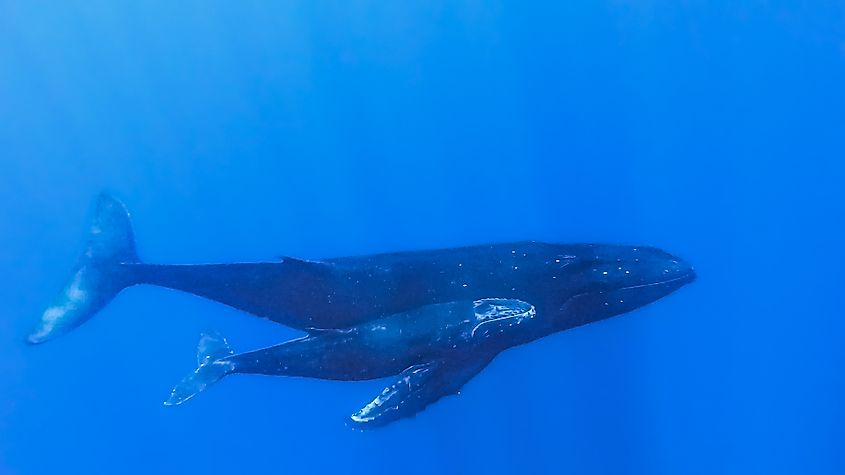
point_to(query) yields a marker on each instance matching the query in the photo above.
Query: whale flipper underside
(417, 388)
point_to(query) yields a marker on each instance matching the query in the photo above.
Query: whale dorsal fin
(298, 263)
(416, 388)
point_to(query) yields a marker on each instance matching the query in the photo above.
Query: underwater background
(241, 131)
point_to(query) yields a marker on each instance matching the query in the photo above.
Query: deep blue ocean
(242, 131)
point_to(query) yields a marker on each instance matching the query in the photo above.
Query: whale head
(611, 280)
(497, 316)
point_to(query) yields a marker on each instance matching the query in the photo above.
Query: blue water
(240, 131)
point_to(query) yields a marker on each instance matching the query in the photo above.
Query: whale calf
(434, 350)
(568, 284)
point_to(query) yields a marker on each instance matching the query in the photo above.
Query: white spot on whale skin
(75, 292)
(74, 298)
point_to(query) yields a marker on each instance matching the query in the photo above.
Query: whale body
(341, 292)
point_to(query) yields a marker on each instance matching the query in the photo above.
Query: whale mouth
(684, 279)
(627, 298)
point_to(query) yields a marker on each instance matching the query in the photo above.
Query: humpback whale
(434, 350)
(339, 293)
(432, 319)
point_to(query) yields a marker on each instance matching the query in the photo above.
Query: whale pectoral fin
(416, 388)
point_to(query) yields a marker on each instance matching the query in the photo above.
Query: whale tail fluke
(212, 366)
(99, 274)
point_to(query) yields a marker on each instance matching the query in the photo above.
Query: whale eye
(564, 259)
